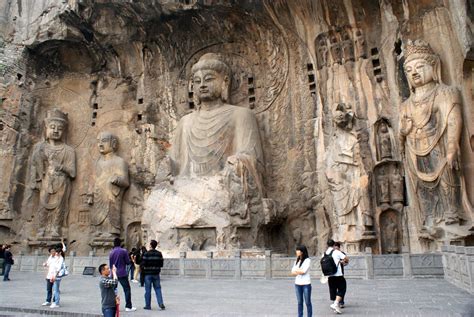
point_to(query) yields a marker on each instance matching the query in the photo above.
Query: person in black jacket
(8, 263)
(152, 262)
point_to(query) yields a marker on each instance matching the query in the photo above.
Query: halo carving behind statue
(258, 74)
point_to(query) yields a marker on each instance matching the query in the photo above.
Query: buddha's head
(211, 78)
(343, 116)
(56, 124)
(422, 65)
(107, 142)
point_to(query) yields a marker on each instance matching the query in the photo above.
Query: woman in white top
(302, 280)
(56, 269)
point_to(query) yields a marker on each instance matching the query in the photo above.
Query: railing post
(20, 257)
(182, 257)
(470, 266)
(238, 265)
(369, 263)
(406, 261)
(71, 262)
(268, 264)
(35, 261)
(209, 264)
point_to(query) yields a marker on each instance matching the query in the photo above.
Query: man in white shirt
(337, 282)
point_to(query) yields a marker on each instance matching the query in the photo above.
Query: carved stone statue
(430, 131)
(335, 47)
(383, 189)
(390, 233)
(53, 169)
(111, 180)
(385, 142)
(322, 50)
(214, 166)
(346, 178)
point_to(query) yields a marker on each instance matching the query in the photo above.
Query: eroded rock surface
(126, 68)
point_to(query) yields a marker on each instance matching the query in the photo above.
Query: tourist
(143, 250)
(336, 281)
(119, 257)
(302, 280)
(152, 262)
(2, 256)
(107, 286)
(137, 257)
(337, 246)
(131, 266)
(56, 267)
(49, 285)
(8, 262)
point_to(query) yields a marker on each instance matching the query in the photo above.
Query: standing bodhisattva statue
(53, 169)
(430, 132)
(111, 180)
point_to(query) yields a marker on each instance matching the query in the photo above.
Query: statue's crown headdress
(56, 114)
(417, 47)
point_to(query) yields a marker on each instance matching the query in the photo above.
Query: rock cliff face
(329, 85)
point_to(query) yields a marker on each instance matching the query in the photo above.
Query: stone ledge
(46, 312)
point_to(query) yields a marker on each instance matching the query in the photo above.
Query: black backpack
(328, 266)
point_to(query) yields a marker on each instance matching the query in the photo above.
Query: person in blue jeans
(108, 288)
(8, 258)
(119, 257)
(302, 280)
(152, 262)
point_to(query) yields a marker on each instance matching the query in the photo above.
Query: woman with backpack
(302, 280)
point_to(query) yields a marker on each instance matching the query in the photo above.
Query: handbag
(63, 271)
(324, 279)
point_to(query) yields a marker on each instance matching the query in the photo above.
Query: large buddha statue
(430, 132)
(211, 181)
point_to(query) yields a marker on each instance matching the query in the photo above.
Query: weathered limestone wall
(331, 170)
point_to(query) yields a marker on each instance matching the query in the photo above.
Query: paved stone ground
(197, 297)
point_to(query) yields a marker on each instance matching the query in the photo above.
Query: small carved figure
(397, 187)
(347, 45)
(53, 169)
(430, 132)
(111, 180)
(385, 142)
(360, 44)
(391, 237)
(322, 50)
(335, 47)
(383, 189)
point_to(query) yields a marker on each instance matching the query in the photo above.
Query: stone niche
(330, 85)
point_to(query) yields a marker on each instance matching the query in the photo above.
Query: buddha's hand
(233, 159)
(451, 159)
(406, 125)
(116, 180)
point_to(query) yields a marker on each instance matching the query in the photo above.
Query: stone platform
(80, 296)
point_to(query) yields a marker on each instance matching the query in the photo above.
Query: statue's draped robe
(55, 185)
(205, 139)
(107, 196)
(344, 176)
(436, 184)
